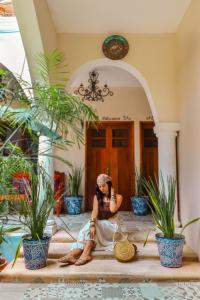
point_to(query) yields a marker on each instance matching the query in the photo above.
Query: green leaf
(17, 253)
(147, 236)
(189, 223)
(162, 203)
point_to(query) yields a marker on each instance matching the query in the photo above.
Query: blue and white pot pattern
(73, 204)
(170, 250)
(36, 252)
(140, 205)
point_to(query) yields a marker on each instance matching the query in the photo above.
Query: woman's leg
(71, 257)
(86, 254)
(79, 246)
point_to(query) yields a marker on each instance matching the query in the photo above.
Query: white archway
(104, 62)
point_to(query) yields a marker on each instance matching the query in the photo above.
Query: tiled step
(109, 270)
(150, 251)
(135, 235)
(62, 237)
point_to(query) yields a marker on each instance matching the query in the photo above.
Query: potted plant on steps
(47, 110)
(33, 214)
(162, 205)
(139, 201)
(73, 201)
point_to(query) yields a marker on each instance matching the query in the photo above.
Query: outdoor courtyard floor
(100, 290)
(104, 277)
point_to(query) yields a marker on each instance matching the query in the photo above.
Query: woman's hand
(92, 232)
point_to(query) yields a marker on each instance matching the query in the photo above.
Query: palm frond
(51, 64)
(36, 208)
(74, 178)
(189, 223)
(162, 203)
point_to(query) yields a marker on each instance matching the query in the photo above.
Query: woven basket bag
(123, 250)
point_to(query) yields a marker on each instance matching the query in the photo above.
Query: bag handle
(123, 235)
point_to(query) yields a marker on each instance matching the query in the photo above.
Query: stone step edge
(135, 271)
(188, 254)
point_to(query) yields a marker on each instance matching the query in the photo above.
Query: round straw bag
(123, 250)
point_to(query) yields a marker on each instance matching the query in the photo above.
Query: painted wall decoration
(123, 118)
(115, 47)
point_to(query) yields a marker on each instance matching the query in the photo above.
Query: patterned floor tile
(115, 291)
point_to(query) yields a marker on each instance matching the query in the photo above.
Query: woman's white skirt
(103, 237)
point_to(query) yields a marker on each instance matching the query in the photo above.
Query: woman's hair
(100, 195)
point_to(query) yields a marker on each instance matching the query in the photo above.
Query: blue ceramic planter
(170, 250)
(73, 204)
(36, 252)
(140, 205)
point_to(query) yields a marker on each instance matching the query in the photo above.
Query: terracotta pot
(3, 263)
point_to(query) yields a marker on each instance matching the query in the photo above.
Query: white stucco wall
(188, 58)
(153, 55)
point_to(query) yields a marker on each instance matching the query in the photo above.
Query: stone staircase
(145, 266)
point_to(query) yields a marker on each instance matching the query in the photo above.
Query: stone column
(137, 145)
(46, 147)
(166, 133)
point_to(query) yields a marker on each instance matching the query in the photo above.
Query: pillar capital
(166, 129)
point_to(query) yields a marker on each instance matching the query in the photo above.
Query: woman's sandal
(83, 261)
(69, 258)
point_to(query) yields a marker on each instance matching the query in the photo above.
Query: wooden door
(110, 151)
(149, 150)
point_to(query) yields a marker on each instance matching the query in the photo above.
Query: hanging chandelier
(93, 92)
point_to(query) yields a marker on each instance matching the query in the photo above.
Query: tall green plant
(15, 162)
(74, 180)
(162, 200)
(139, 188)
(43, 107)
(33, 213)
(46, 107)
(162, 204)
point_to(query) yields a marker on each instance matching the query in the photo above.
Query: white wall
(188, 58)
(153, 55)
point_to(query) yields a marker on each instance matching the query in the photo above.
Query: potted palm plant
(73, 201)
(139, 201)
(33, 213)
(162, 205)
(45, 109)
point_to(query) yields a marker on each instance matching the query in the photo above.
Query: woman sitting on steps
(98, 232)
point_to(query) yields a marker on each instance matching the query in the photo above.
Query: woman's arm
(95, 209)
(94, 216)
(115, 202)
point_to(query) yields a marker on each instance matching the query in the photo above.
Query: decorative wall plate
(115, 47)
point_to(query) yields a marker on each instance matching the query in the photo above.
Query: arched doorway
(112, 148)
(94, 64)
